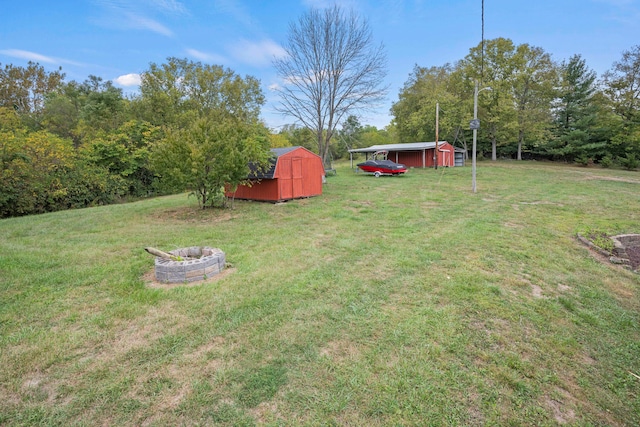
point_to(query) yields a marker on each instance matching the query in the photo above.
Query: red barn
(295, 173)
(414, 154)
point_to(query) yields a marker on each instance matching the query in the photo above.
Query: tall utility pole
(475, 125)
(435, 155)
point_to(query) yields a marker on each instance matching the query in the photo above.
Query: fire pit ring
(626, 248)
(208, 262)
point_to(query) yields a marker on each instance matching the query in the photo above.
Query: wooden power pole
(435, 155)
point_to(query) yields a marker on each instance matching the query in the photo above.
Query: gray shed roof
(268, 173)
(284, 150)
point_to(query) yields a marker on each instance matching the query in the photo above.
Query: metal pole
(475, 136)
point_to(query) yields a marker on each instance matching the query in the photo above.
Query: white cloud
(211, 58)
(234, 9)
(37, 57)
(128, 80)
(31, 56)
(125, 14)
(258, 54)
(625, 12)
(143, 23)
(170, 6)
(274, 87)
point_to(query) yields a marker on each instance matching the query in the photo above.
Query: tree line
(196, 126)
(192, 126)
(67, 145)
(529, 106)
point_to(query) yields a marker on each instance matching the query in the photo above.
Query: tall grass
(385, 301)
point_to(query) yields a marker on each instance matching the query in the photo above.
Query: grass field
(385, 301)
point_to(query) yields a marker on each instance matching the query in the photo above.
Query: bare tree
(331, 69)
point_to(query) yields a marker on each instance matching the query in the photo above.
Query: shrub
(31, 172)
(630, 162)
(584, 160)
(606, 162)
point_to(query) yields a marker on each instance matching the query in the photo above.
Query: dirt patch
(139, 333)
(588, 360)
(541, 202)
(266, 412)
(611, 178)
(474, 403)
(536, 291)
(195, 214)
(429, 205)
(37, 387)
(149, 279)
(512, 225)
(561, 414)
(340, 350)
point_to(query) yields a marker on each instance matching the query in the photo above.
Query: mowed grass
(385, 301)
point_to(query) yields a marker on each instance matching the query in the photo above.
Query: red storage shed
(295, 173)
(414, 154)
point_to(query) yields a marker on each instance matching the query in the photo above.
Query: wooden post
(435, 156)
(162, 254)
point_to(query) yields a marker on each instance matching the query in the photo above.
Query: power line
(482, 46)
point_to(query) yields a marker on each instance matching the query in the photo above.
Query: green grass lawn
(385, 301)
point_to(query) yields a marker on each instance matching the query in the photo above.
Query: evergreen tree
(575, 114)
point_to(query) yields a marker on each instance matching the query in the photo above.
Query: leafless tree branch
(331, 70)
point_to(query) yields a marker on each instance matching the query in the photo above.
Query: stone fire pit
(626, 247)
(194, 263)
(625, 250)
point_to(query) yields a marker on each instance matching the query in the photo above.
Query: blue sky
(117, 39)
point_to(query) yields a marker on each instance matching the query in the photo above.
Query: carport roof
(409, 146)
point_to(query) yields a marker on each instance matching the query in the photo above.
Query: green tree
(41, 172)
(449, 87)
(124, 153)
(494, 68)
(61, 114)
(522, 80)
(25, 89)
(621, 86)
(371, 135)
(533, 85)
(102, 105)
(210, 154)
(179, 91)
(278, 140)
(576, 129)
(85, 111)
(347, 138)
(331, 70)
(415, 111)
(212, 127)
(32, 168)
(300, 136)
(349, 135)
